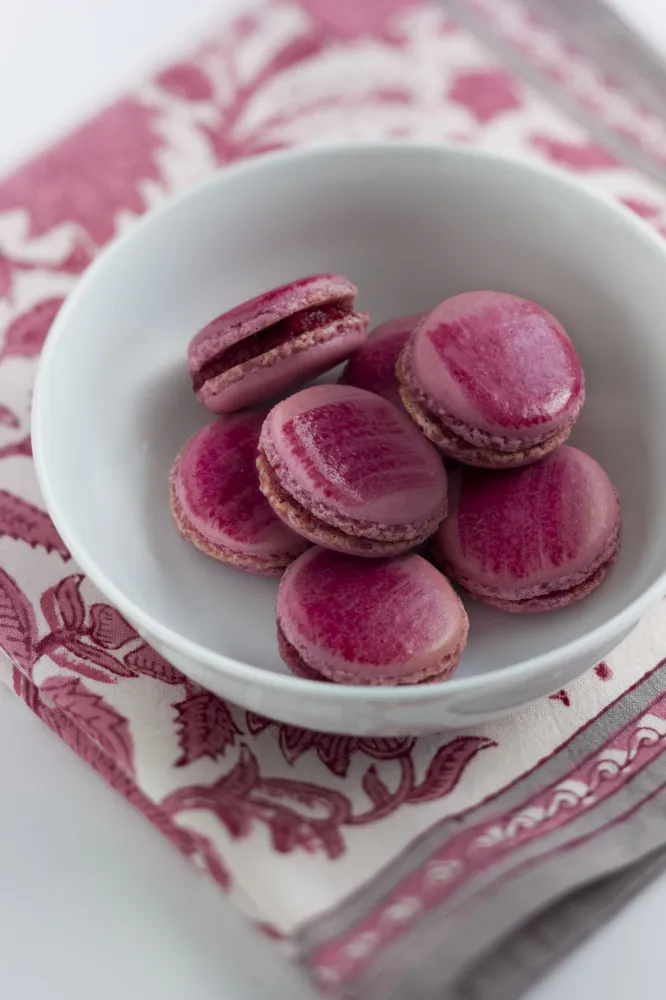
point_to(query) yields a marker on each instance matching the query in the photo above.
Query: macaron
(531, 539)
(372, 367)
(369, 621)
(492, 379)
(347, 470)
(274, 341)
(216, 502)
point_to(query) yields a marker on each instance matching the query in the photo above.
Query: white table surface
(94, 904)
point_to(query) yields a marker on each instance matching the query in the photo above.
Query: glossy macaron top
(342, 450)
(372, 367)
(216, 491)
(496, 363)
(370, 621)
(519, 533)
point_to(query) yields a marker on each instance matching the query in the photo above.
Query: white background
(94, 904)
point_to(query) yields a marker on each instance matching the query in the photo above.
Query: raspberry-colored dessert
(492, 379)
(362, 621)
(275, 341)
(349, 471)
(216, 501)
(372, 367)
(531, 539)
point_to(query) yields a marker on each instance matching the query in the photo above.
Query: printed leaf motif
(68, 659)
(95, 717)
(26, 335)
(575, 155)
(486, 94)
(374, 787)
(146, 660)
(20, 520)
(256, 723)
(89, 176)
(187, 81)
(447, 766)
(7, 417)
(562, 696)
(205, 727)
(349, 19)
(22, 447)
(18, 629)
(69, 603)
(109, 628)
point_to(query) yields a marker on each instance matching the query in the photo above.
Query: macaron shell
(216, 500)
(264, 310)
(370, 622)
(285, 366)
(498, 364)
(391, 543)
(523, 533)
(344, 453)
(372, 367)
(480, 456)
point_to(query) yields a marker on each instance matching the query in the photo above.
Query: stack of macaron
(445, 433)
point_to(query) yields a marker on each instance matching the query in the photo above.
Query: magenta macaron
(349, 471)
(216, 502)
(372, 367)
(274, 341)
(531, 539)
(369, 621)
(492, 379)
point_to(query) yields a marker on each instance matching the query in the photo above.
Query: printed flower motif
(562, 696)
(90, 176)
(25, 336)
(187, 81)
(486, 94)
(575, 155)
(334, 751)
(349, 19)
(205, 726)
(73, 263)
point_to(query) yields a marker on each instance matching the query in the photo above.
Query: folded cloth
(459, 866)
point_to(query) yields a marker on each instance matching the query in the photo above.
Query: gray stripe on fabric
(587, 741)
(629, 153)
(536, 947)
(623, 56)
(437, 949)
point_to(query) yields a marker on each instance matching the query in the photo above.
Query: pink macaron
(369, 621)
(372, 367)
(349, 471)
(283, 337)
(216, 501)
(492, 379)
(531, 539)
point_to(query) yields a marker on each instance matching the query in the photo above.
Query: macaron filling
(288, 330)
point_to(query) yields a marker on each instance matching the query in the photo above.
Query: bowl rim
(543, 663)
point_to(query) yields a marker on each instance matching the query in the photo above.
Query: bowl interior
(410, 226)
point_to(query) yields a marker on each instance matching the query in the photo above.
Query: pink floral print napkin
(455, 867)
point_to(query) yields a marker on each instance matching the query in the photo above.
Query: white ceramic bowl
(410, 224)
